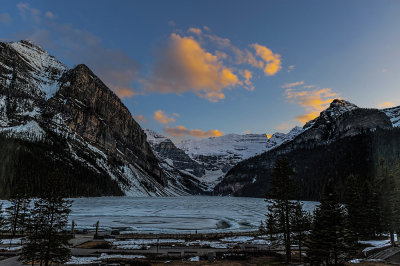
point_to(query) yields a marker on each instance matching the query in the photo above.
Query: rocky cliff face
(322, 143)
(172, 155)
(44, 102)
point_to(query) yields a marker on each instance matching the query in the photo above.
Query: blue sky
(181, 64)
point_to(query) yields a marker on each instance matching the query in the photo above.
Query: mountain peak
(31, 44)
(342, 103)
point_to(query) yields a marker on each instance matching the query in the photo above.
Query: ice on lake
(172, 214)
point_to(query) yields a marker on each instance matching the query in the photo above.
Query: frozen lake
(172, 214)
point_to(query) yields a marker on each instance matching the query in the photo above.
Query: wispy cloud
(314, 101)
(117, 69)
(181, 131)
(162, 118)
(291, 85)
(5, 18)
(291, 68)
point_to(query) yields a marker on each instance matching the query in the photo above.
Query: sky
(196, 69)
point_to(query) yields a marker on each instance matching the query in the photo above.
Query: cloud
(247, 131)
(141, 118)
(26, 12)
(5, 18)
(293, 84)
(195, 30)
(181, 131)
(50, 15)
(117, 69)
(268, 135)
(290, 68)
(171, 23)
(313, 101)
(185, 66)
(247, 75)
(272, 61)
(162, 118)
(386, 104)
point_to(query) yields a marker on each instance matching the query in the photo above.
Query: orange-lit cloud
(185, 66)
(386, 104)
(291, 85)
(141, 118)
(123, 92)
(268, 135)
(247, 75)
(181, 131)
(313, 101)
(161, 117)
(272, 61)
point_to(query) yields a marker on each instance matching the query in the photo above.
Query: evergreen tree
(17, 214)
(389, 199)
(271, 226)
(47, 234)
(356, 207)
(283, 189)
(2, 219)
(326, 243)
(301, 224)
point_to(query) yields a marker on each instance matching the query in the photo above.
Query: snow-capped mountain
(343, 140)
(78, 126)
(209, 159)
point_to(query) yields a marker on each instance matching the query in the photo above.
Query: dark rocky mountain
(57, 120)
(172, 155)
(343, 140)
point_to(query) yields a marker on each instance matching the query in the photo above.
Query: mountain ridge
(43, 102)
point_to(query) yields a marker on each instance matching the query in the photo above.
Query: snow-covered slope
(394, 115)
(42, 101)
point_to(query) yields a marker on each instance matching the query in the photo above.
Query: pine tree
(283, 189)
(356, 207)
(47, 234)
(301, 224)
(2, 219)
(326, 243)
(271, 226)
(389, 199)
(17, 214)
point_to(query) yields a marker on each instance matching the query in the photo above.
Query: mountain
(56, 121)
(172, 155)
(343, 140)
(209, 159)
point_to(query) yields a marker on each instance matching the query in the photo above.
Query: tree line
(42, 222)
(330, 235)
